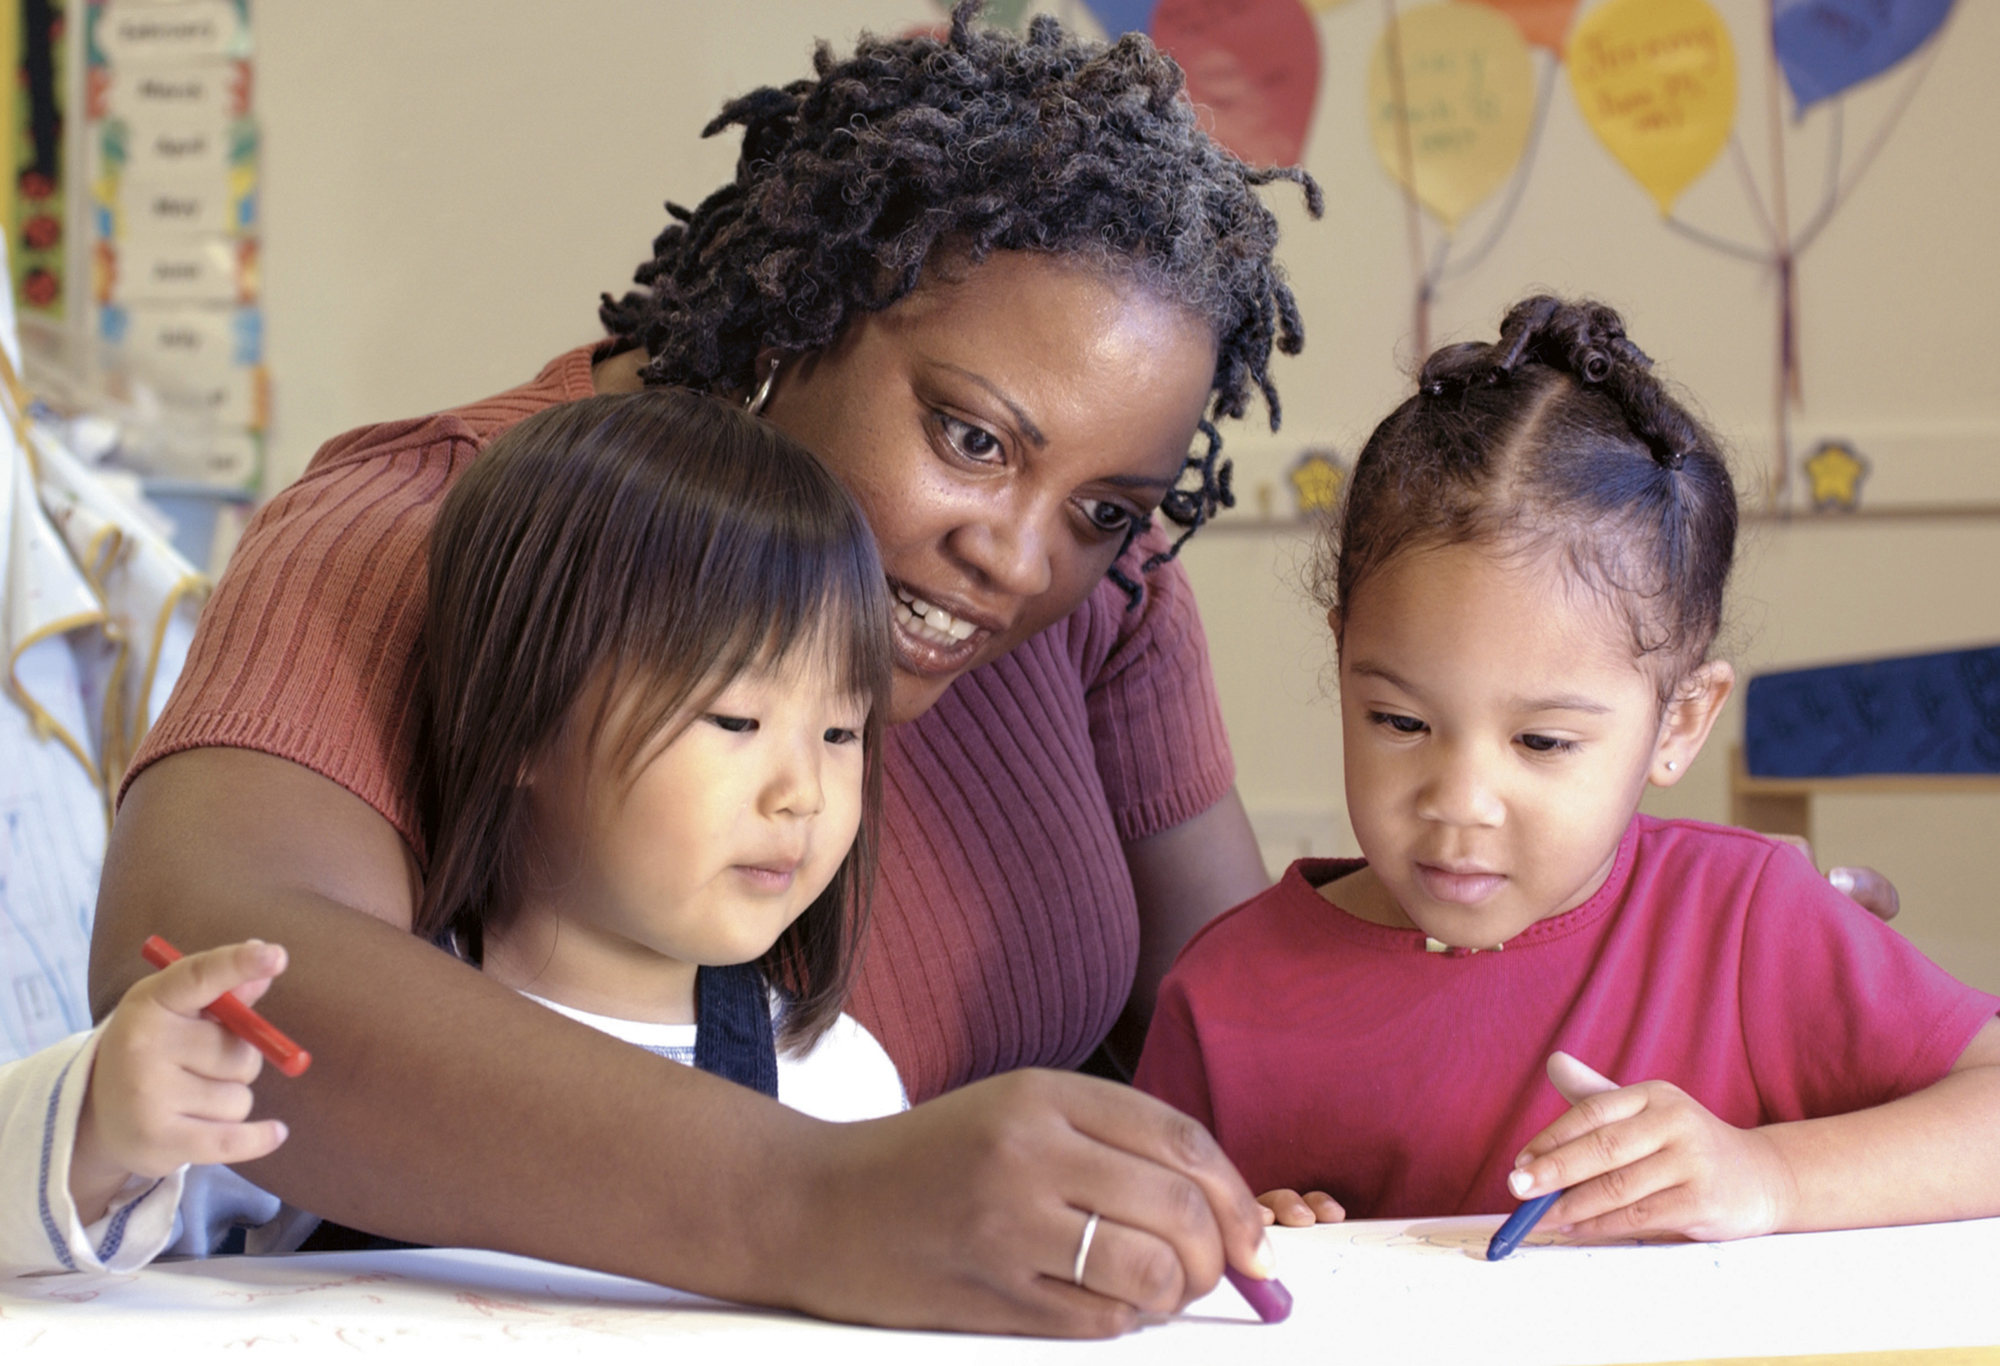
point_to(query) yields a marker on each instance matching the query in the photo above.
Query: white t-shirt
(845, 1076)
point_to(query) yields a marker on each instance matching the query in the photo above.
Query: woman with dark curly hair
(1002, 286)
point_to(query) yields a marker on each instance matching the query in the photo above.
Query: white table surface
(1411, 1292)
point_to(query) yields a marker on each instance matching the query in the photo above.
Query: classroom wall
(449, 185)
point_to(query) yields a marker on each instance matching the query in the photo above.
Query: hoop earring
(755, 403)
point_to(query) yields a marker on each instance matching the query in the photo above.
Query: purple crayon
(1270, 1299)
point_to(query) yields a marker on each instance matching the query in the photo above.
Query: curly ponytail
(1557, 436)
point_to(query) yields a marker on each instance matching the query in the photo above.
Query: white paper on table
(1409, 1293)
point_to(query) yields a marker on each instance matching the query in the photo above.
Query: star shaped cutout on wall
(1836, 471)
(1316, 481)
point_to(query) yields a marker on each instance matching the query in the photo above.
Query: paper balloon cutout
(1117, 17)
(1468, 96)
(1544, 23)
(1254, 64)
(1322, 6)
(1827, 45)
(1657, 83)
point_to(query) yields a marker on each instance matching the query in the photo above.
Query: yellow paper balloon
(1322, 6)
(1467, 96)
(1657, 83)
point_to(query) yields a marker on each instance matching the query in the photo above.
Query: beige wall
(450, 184)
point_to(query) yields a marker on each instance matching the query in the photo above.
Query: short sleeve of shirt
(1155, 722)
(309, 649)
(1840, 1012)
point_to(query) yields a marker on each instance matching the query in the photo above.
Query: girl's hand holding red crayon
(1650, 1159)
(169, 1086)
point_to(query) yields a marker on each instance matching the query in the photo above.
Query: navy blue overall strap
(733, 1037)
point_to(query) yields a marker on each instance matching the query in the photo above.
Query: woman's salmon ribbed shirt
(1005, 929)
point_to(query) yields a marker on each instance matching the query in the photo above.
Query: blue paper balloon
(1825, 46)
(1122, 16)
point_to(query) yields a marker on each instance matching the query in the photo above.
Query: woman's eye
(1547, 744)
(1106, 516)
(840, 735)
(1402, 725)
(974, 443)
(736, 725)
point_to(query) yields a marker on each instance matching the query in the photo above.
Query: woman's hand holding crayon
(169, 1086)
(997, 1181)
(1650, 1158)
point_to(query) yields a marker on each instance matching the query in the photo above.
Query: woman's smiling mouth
(930, 640)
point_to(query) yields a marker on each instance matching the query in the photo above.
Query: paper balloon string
(1544, 23)
(1254, 63)
(1656, 80)
(1451, 94)
(1825, 46)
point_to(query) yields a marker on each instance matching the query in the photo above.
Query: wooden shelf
(1783, 806)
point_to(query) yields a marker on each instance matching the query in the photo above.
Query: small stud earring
(1671, 765)
(763, 395)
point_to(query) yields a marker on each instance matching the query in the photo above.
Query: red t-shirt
(1006, 930)
(1328, 1053)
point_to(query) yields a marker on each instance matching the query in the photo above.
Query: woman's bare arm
(1184, 878)
(443, 1109)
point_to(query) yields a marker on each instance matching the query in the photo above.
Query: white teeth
(930, 622)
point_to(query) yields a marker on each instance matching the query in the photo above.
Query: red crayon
(239, 1019)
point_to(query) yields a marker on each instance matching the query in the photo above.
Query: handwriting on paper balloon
(1451, 94)
(1656, 80)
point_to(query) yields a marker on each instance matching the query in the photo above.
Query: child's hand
(1649, 1159)
(169, 1087)
(1300, 1211)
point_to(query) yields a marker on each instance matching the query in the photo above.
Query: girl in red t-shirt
(1524, 589)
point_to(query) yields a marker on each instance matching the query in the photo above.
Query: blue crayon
(1519, 1225)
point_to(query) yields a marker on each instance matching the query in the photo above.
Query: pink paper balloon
(1254, 63)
